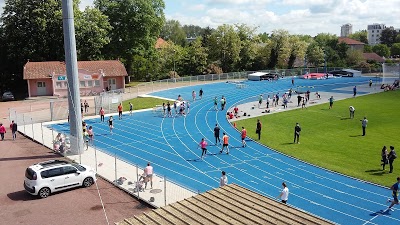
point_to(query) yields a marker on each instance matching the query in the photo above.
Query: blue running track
(171, 144)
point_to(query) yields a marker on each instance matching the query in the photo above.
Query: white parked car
(48, 177)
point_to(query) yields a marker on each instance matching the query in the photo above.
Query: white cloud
(197, 7)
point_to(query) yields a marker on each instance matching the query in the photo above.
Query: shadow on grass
(345, 118)
(288, 143)
(376, 172)
(359, 135)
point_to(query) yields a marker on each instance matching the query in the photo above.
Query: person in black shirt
(297, 130)
(391, 157)
(258, 129)
(201, 93)
(298, 100)
(216, 134)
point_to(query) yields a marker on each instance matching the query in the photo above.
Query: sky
(297, 16)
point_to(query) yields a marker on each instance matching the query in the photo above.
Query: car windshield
(79, 167)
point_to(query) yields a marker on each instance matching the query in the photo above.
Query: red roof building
(353, 44)
(50, 78)
(373, 57)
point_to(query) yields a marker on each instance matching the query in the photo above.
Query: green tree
(397, 40)
(315, 54)
(388, 36)
(280, 49)
(354, 57)
(249, 41)
(92, 28)
(136, 25)
(368, 48)
(193, 31)
(195, 58)
(361, 35)
(225, 47)
(298, 49)
(395, 49)
(173, 31)
(381, 50)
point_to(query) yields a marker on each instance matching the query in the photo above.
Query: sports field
(171, 144)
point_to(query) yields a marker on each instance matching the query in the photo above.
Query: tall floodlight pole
(72, 77)
(326, 72)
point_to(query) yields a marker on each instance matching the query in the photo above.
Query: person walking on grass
(130, 109)
(297, 130)
(216, 134)
(395, 194)
(258, 129)
(14, 129)
(284, 195)
(149, 175)
(331, 99)
(384, 155)
(243, 136)
(225, 141)
(203, 145)
(2, 131)
(223, 180)
(391, 157)
(352, 110)
(110, 124)
(364, 123)
(120, 111)
(102, 114)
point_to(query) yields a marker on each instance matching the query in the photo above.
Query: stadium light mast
(71, 64)
(325, 69)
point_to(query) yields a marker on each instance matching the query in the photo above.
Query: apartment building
(346, 30)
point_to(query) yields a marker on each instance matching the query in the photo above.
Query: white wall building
(346, 30)
(374, 33)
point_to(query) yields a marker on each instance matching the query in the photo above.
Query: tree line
(128, 29)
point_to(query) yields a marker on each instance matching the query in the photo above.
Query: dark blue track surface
(171, 145)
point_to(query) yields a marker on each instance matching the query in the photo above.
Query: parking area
(78, 206)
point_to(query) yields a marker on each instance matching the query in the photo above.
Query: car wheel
(87, 182)
(44, 192)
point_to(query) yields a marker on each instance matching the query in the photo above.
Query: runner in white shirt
(223, 180)
(284, 194)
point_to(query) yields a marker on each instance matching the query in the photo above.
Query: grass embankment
(331, 140)
(142, 103)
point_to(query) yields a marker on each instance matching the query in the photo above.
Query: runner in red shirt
(102, 114)
(243, 134)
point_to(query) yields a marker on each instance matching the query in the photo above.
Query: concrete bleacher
(231, 204)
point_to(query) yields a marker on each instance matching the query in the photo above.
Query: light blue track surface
(171, 145)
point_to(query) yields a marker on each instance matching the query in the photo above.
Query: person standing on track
(297, 130)
(243, 136)
(102, 114)
(201, 93)
(216, 134)
(194, 95)
(370, 83)
(225, 140)
(120, 111)
(169, 109)
(260, 100)
(215, 104)
(258, 129)
(130, 109)
(354, 91)
(203, 145)
(395, 194)
(284, 194)
(222, 103)
(110, 124)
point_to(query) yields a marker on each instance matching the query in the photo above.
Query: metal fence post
(165, 190)
(137, 180)
(95, 156)
(23, 119)
(190, 80)
(41, 127)
(33, 134)
(115, 166)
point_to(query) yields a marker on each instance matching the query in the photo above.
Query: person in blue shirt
(354, 91)
(395, 193)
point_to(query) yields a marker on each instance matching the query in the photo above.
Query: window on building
(372, 35)
(90, 83)
(82, 83)
(372, 31)
(377, 31)
(97, 83)
(58, 84)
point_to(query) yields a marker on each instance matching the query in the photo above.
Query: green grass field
(142, 103)
(331, 140)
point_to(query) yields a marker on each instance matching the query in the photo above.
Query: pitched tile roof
(350, 41)
(373, 56)
(40, 70)
(231, 204)
(161, 43)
